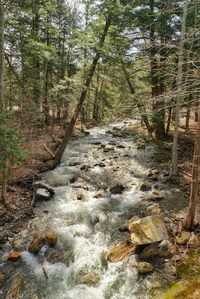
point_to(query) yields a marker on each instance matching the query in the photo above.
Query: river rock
(183, 238)
(154, 209)
(153, 175)
(80, 196)
(156, 195)
(193, 241)
(146, 186)
(118, 189)
(37, 243)
(144, 267)
(16, 289)
(42, 194)
(118, 252)
(98, 194)
(14, 256)
(17, 244)
(149, 251)
(2, 277)
(52, 238)
(148, 230)
(87, 278)
(129, 221)
(166, 249)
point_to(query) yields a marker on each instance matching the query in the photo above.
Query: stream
(87, 218)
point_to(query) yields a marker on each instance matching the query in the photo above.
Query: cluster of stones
(36, 244)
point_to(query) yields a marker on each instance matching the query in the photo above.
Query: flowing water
(87, 223)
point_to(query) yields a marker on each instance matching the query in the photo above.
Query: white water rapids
(76, 267)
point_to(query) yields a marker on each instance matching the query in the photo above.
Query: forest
(99, 149)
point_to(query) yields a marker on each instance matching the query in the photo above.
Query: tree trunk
(4, 182)
(169, 119)
(83, 95)
(179, 89)
(196, 114)
(2, 101)
(158, 110)
(144, 117)
(194, 193)
(187, 119)
(36, 59)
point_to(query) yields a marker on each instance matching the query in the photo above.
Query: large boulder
(37, 243)
(52, 238)
(118, 252)
(148, 230)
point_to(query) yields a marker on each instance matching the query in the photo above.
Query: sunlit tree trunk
(194, 193)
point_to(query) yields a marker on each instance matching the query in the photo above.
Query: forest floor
(39, 145)
(39, 142)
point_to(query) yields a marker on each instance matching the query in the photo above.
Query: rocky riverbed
(90, 237)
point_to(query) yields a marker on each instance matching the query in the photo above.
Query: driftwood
(48, 150)
(45, 273)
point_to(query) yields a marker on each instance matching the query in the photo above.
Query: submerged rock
(118, 252)
(156, 195)
(89, 278)
(148, 230)
(16, 289)
(14, 256)
(52, 238)
(17, 244)
(146, 186)
(118, 189)
(80, 196)
(37, 243)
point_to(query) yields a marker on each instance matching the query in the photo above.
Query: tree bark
(187, 119)
(83, 95)
(159, 112)
(179, 89)
(2, 101)
(169, 119)
(194, 193)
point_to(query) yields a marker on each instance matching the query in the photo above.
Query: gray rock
(42, 194)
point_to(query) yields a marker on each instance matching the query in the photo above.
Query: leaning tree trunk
(2, 102)
(179, 89)
(194, 193)
(144, 117)
(83, 95)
